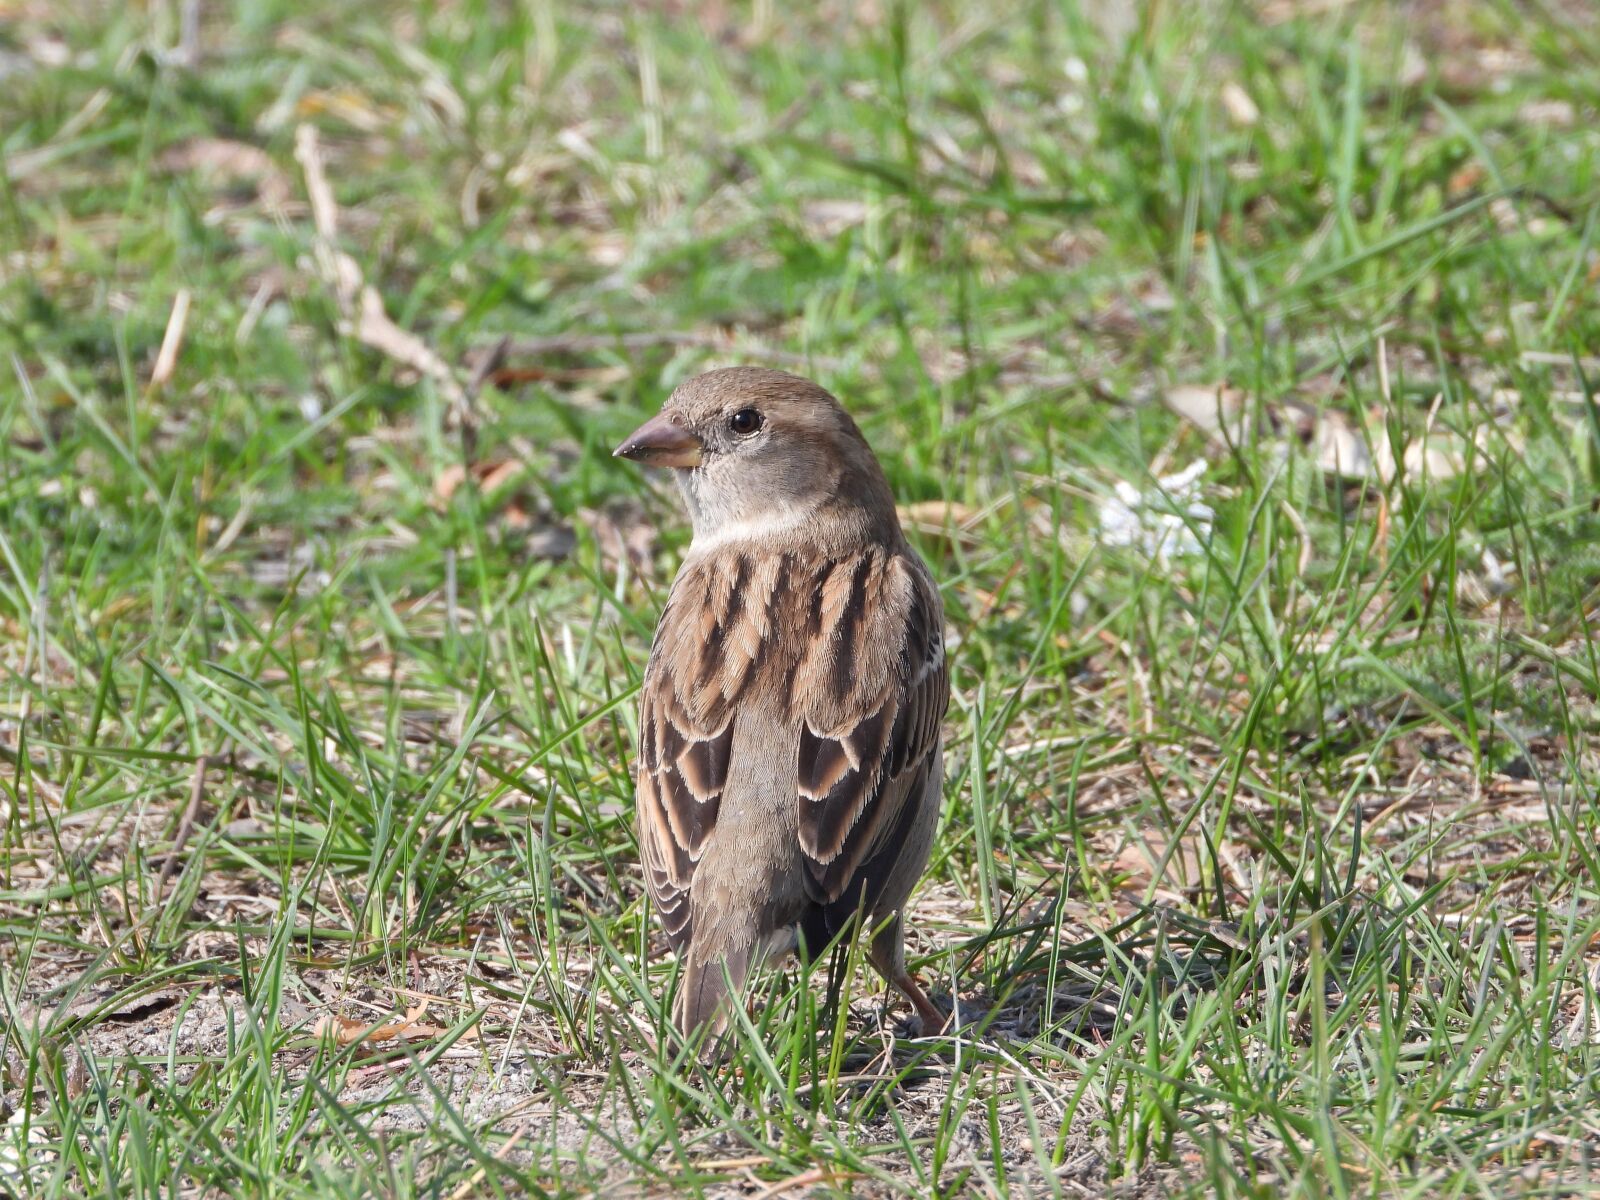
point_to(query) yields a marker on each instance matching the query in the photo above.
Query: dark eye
(745, 422)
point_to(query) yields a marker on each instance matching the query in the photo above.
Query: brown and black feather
(862, 695)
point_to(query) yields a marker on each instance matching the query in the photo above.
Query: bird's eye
(745, 422)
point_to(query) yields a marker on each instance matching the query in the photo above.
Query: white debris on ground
(1166, 520)
(19, 1153)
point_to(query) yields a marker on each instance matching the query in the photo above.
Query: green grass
(1267, 869)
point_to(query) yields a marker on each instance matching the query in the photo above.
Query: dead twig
(359, 302)
(488, 367)
(477, 1177)
(172, 340)
(185, 827)
(803, 1179)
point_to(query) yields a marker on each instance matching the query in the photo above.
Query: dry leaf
(1241, 108)
(491, 475)
(345, 1032)
(1139, 859)
(497, 475)
(1466, 179)
(1343, 447)
(447, 481)
(1441, 454)
(521, 511)
(1340, 448)
(1217, 410)
(1434, 456)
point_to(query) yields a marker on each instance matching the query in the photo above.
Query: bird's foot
(930, 1019)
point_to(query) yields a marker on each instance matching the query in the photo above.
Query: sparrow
(791, 757)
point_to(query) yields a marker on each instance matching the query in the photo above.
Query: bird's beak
(660, 443)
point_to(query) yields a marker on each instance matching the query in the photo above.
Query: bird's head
(760, 453)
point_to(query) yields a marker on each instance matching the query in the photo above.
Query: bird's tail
(703, 1001)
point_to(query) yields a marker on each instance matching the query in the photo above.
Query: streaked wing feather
(668, 885)
(861, 674)
(861, 749)
(683, 767)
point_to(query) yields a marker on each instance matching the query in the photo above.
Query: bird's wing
(847, 651)
(682, 769)
(873, 693)
(686, 720)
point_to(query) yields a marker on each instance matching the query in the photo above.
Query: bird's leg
(888, 955)
(933, 1021)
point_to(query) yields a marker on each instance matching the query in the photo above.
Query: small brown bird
(791, 760)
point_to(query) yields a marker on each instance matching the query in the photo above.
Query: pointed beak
(660, 443)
